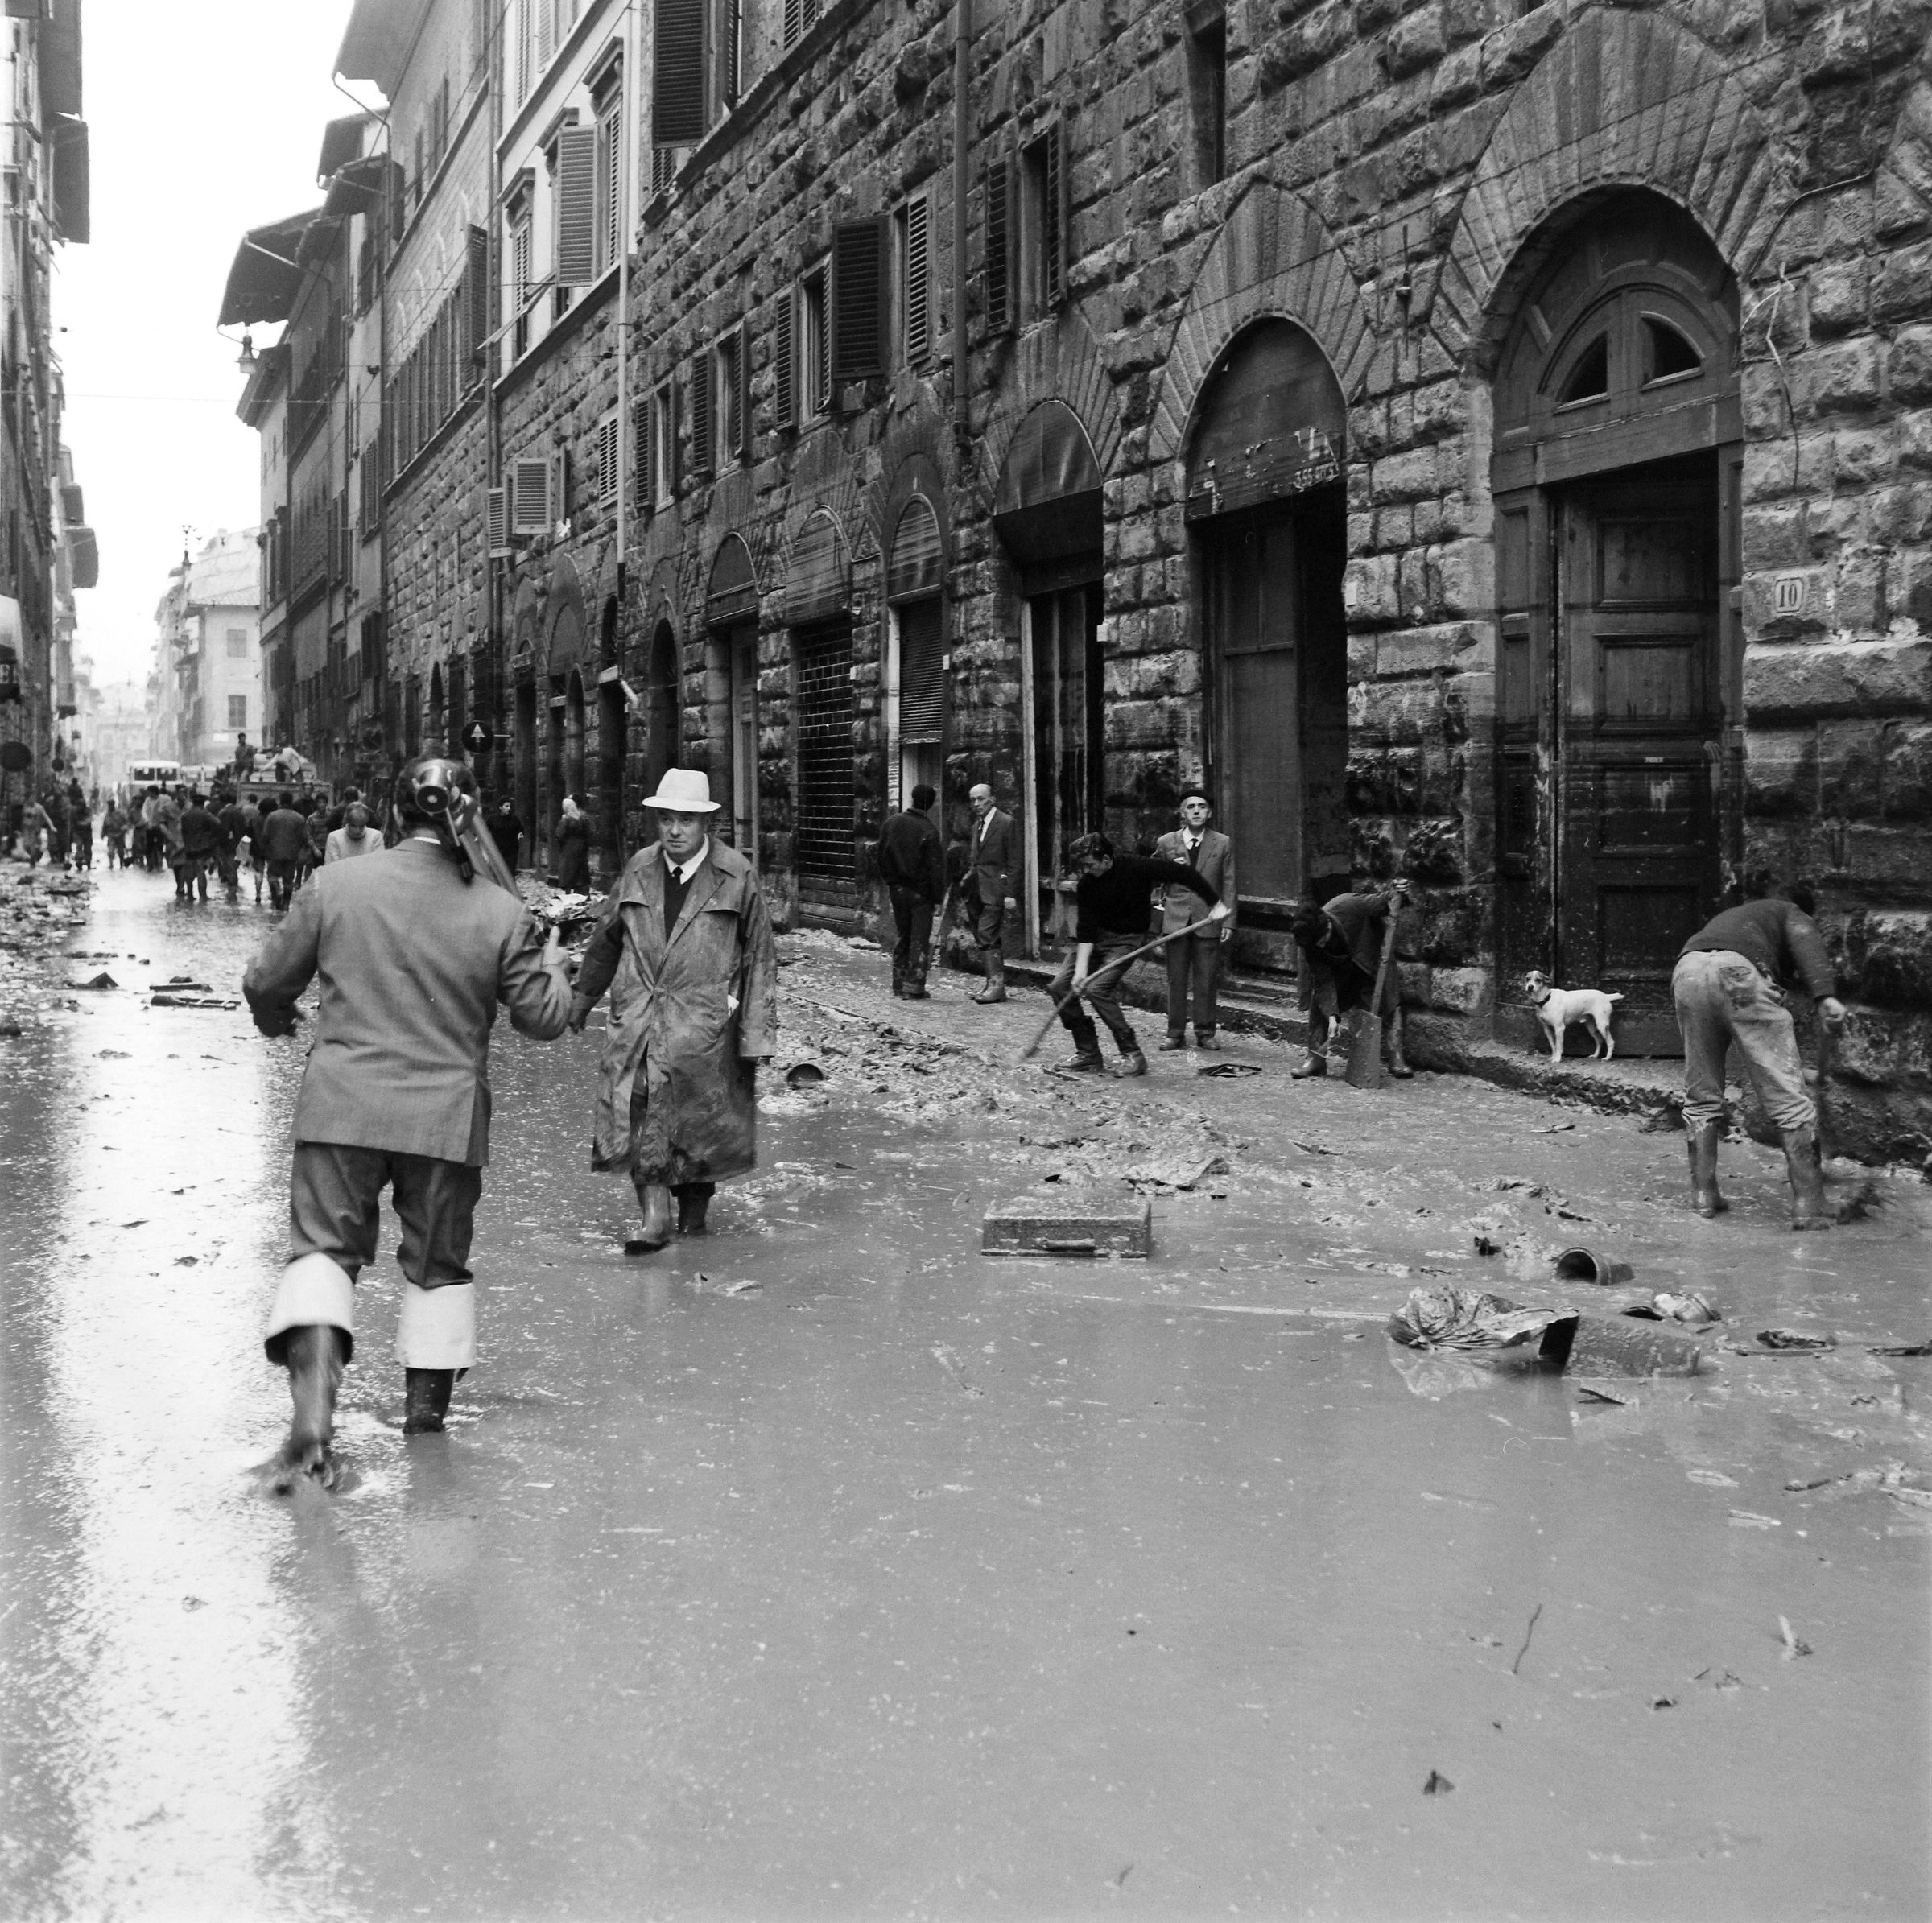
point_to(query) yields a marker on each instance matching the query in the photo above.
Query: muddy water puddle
(825, 1567)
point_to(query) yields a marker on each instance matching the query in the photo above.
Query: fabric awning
(1047, 504)
(341, 143)
(264, 279)
(376, 43)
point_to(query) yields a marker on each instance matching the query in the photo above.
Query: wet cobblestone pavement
(825, 1567)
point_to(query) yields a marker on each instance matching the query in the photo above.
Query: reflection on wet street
(825, 1567)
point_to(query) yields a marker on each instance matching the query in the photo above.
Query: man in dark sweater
(200, 843)
(913, 866)
(285, 843)
(1726, 988)
(1112, 902)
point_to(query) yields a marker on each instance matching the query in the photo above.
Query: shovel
(1364, 1068)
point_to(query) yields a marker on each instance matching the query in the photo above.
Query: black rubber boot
(316, 1356)
(1392, 1049)
(654, 1199)
(1808, 1206)
(1702, 1145)
(694, 1200)
(425, 1400)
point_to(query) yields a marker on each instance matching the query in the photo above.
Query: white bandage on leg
(437, 1329)
(313, 1289)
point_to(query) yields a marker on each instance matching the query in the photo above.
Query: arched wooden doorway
(1046, 508)
(1266, 503)
(1616, 467)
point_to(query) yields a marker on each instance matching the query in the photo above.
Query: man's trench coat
(689, 1018)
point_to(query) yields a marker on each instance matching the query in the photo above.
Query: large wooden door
(1639, 695)
(1257, 631)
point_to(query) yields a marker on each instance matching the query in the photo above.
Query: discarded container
(1069, 1222)
(804, 1075)
(1587, 1265)
(1468, 1319)
(1614, 1345)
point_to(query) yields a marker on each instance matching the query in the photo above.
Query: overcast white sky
(205, 118)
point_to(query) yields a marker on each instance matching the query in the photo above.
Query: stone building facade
(1480, 442)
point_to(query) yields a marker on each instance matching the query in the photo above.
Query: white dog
(1557, 1007)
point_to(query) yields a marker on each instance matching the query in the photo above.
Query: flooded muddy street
(825, 1567)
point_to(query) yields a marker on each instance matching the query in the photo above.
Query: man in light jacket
(1196, 959)
(686, 950)
(413, 960)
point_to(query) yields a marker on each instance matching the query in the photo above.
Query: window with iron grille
(823, 712)
(1043, 223)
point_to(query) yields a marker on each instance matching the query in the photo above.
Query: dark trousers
(990, 924)
(1193, 961)
(281, 882)
(334, 1194)
(1100, 985)
(912, 916)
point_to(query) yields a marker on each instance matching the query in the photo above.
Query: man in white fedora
(685, 949)
(413, 956)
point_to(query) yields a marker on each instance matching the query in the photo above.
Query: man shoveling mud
(413, 960)
(1725, 989)
(1342, 943)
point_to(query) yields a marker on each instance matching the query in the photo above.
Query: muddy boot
(1702, 1145)
(1132, 1062)
(1315, 1062)
(1171, 1043)
(425, 1400)
(693, 1199)
(315, 1356)
(1206, 1038)
(654, 1199)
(1808, 1206)
(898, 980)
(1393, 1058)
(995, 989)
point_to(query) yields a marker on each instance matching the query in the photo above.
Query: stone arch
(566, 630)
(1623, 99)
(1273, 256)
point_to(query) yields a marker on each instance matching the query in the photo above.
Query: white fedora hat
(683, 791)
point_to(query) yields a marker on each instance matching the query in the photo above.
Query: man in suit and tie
(413, 959)
(1196, 959)
(996, 873)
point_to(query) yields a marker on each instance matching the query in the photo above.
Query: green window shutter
(478, 288)
(784, 403)
(1053, 225)
(919, 278)
(700, 412)
(859, 300)
(677, 78)
(641, 464)
(529, 505)
(576, 206)
(999, 246)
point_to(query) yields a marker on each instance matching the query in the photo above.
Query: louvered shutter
(577, 206)
(477, 281)
(784, 403)
(529, 512)
(730, 32)
(919, 278)
(608, 445)
(1053, 276)
(497, 522)
(999, 246)
(677, 80)
(614, 186)
(744, 425)
(700, 413)
(640, 457)
(858, 300)
(546, 33)
(922, 671)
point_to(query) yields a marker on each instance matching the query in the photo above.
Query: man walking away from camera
(912, 864)
(413, 960)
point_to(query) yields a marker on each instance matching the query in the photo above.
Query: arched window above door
(1624, 349)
